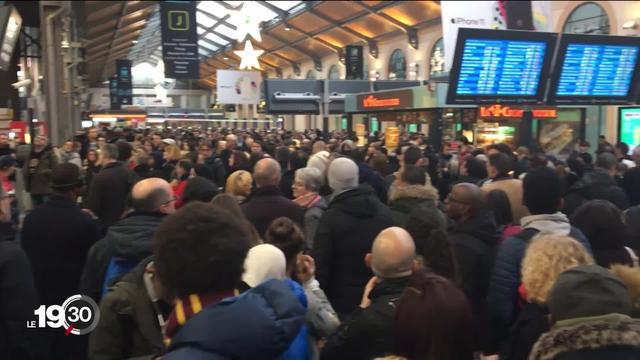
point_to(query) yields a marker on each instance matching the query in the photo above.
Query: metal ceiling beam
(123, 12)
(342, 27)
(388, 19)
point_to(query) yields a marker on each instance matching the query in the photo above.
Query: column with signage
(179, 39)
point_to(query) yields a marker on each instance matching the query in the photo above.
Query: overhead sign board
(510, 112)
(354, 62)
(238, 87)
(10, 23)
(179, 39)
(391, 100)
(124, 82)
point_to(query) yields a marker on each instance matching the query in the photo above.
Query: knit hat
(264, 262)
(66, 177)
(6, 161)
(169, 141)
(587, 291)
(343, 174)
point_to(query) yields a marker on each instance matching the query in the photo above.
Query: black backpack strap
(527, 234)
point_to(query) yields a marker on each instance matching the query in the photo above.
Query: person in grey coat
(306, 187)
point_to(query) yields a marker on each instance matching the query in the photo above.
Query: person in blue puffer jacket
(542, 195)
(207, 320)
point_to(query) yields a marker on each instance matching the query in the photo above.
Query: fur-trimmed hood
(413, 191)
(596, 333)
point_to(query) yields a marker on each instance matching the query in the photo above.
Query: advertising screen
(500, 66)
(629, 126)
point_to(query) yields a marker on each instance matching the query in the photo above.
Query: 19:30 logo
(78, 315)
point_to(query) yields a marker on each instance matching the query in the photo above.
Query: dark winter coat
(109, 192)
(18, 300)
(631, 185)
(533, 321)
(267, 204)
(130, 238)
(474, 246)
(286, 182)
(259, 324)
(56, 238)
(405, 199)
(128, 324)
(345, 234)
(367, 333)
(597, 184)
(610, 337)
(39, 182)
(366, 175)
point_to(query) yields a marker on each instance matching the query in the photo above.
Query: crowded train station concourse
(319, 180)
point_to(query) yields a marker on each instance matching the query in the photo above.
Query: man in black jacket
(474, 236)
(367, 332)
(597, 185)
(631, 180)
(56, 238)
(266, 203)
(129, 240)
(345, 234)
(110, 188)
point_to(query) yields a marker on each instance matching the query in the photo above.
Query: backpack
(117, 268)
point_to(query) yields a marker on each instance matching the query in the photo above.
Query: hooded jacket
(503, 290)
(405, 199)
(345, 234)
(597, 184)
(610, 337)
(259, 324)
(130, 238)
(128, 324)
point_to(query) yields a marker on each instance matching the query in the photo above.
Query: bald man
(129, 240)
(474, 237)
(367, 332)
(266, 202)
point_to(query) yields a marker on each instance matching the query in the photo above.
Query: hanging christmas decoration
(249, 57)
(247, 21)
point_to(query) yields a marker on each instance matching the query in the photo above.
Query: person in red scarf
(199, 254)
(183, 173)
(306, 187)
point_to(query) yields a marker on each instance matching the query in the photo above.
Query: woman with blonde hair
(546, 258)
(239, 185)
(171, 156)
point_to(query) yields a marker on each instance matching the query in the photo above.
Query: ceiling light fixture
(134, 42)
(630, 24)
(287, 27)
(249, 57)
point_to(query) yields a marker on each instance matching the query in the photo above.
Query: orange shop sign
(502, 112)
(386, 100)
(372, 101)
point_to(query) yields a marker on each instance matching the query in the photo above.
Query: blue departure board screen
(501, 67)
(597, 70)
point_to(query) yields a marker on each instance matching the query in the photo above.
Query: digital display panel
(629, 126)
(500, 66)
(595, 69)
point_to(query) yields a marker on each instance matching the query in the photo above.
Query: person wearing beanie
(56, 238)
(591, 308)
(345, 234)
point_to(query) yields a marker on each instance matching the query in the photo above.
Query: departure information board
(500, 67)
(597, 70)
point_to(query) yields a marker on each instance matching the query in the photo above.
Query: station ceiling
(292, 31)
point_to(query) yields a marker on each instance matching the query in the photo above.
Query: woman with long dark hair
(498, 202)
(182, 174)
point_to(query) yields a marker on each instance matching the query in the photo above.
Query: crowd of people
(274, 244)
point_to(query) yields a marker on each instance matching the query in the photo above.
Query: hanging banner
(125, 84)
(354, 62)
(238, 87)
(179, 39)
(515, 15)
(114, 103)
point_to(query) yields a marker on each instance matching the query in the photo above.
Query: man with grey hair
(266, 202)
(366, 333)
(110, 187)
(230, 144)
(38, 169)
(345, 234)
(631, 179)
(598, 184)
